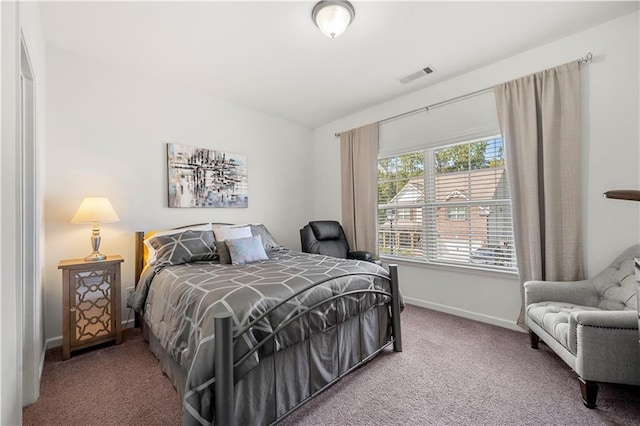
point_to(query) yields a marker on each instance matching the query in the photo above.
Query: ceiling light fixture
(333, 17)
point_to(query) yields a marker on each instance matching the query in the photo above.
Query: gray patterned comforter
(179, 303)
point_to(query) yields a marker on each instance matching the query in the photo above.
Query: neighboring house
(404, 225)
(462, 213)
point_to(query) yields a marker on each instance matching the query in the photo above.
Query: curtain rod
(583, 60)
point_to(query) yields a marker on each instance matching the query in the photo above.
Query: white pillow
(152, 251)
(232, 232)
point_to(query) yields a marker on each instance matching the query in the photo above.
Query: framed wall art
(201, 177)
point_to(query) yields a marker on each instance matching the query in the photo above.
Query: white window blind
(432, 205)
(448, 204)
(479, 187)
(472, 118)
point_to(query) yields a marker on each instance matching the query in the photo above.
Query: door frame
(29, 250)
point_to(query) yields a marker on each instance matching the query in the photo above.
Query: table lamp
(95, 210)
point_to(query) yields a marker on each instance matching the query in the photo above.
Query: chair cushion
(360, 255)
(334, 248)
(553, 317)
(326, 229)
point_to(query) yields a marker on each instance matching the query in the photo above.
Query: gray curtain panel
(359, 158)
(539, 118)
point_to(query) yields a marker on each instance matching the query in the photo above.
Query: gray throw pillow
(268, 242)
(223, 253)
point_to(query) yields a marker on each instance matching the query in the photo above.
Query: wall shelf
(623, 194)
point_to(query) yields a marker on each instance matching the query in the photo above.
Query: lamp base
(94, 257)
(95, 245)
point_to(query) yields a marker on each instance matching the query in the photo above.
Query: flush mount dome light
(333, 17)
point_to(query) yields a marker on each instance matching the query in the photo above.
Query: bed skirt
(301, 370)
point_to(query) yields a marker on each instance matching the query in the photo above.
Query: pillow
(246, 250)
(150, 252)
(268, 242)
(183, 247)
(223, 252)
(231, 232)
(223, 233)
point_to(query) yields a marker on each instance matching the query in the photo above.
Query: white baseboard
(41, 367)
(130, 323)
(57, 341)
(53, 342)
(500, 322)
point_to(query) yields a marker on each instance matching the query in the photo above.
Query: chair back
(616, 285)
(324, 237)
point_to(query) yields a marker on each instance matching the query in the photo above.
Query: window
(457, 213)
(448, 204)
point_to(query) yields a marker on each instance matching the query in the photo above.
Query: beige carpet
(453, 371)
(114, 385)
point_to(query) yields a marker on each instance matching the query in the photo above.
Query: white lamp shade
(333, 18)
(95, 209)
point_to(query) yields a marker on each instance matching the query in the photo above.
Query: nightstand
(90, 303)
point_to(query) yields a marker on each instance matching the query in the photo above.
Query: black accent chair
(327, 237)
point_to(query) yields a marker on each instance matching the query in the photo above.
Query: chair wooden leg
(589, 391)
(534, 339)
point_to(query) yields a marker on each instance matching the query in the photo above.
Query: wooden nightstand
(91, 303)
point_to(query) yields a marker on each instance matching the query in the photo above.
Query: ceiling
(269, 56)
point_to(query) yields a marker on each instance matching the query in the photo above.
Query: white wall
(106, 135)
(610, 134)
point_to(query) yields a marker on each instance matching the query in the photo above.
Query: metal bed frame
(223, 354)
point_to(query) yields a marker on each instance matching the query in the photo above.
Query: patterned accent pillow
(151, 252)
(246, 250)
(184, 247)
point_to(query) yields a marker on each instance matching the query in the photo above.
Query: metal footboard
(225, 366)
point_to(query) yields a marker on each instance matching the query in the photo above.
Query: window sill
(463, 269)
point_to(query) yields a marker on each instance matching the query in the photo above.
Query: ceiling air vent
(409, 78)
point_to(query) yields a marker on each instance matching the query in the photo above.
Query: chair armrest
(605, 319)
(360, 255)
(606, 345)
(576, 292)
(592, 325)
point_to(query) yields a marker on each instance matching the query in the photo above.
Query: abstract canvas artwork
(200, 177)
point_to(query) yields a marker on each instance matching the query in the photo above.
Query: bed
(247, 342)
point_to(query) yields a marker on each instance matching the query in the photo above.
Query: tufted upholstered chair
(592, 324)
